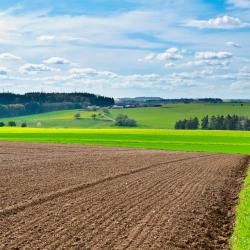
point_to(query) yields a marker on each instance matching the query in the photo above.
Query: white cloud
(208, 63)
(35, 68)
(57, 60)
(100, 78)
(233, 44)
(193, 75)
(169, 54)
(79, 73)
(240, 85)
(149, 58)
(3, 71)
(46, 38)
(9, 56)
(170, 65)
(239, 3)
(212, 55)
(224, 22)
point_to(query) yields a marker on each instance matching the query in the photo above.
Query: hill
(157, 117)
(12, 105)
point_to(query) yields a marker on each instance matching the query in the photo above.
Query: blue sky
(167, 48)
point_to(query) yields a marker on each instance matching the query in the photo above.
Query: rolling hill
(153, 117)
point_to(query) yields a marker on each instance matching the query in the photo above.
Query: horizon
(128, 97)
(128, 48)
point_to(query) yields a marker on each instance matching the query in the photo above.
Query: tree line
(32, 103)
(219, 122)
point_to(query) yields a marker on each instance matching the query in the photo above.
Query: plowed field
(83, 197)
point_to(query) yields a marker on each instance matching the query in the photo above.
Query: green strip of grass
(241, 236)
(202, 141)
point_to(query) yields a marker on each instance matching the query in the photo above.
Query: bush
(77, 116)
(2, 124)
(123, 121)
(12, 124)
(24, 125)
(105, 111)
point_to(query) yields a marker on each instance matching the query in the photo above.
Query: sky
(127, 48)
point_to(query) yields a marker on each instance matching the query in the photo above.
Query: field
(201, 141)
(157, 118)
(85, 197)
(241, 236)
(121, 198)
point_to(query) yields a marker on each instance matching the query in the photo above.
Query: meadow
(200, 141)
(147, 118)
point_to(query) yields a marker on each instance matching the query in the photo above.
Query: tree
(247, 125)
(179, 125)
(12, 124)
(192, 123)
(105, 111)
(94, 116)
(94, 108)
(2, 124)
(77, 116)
(123, 121)
(33, 107)
(24, 125)
(212, 123)
(195, 123)
(205, 122)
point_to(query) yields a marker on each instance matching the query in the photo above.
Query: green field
(63, 119)
(241, 236)
(147, 118)
(203, 141)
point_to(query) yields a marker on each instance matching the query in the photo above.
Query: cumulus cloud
(46, 38)
(101, 78)
(212, 55)
(240, 85)
(57, 60)
(9, 56)
(224, 22)
(193, 75)
(170, 65)
(239, 3)
(35, 68)
(208, 63)
(78, 73)
(233, 44)
(169, 54)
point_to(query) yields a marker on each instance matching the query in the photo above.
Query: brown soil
(84, 197)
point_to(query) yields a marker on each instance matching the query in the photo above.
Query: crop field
(85, 197)
(201, 141)
(157, 118)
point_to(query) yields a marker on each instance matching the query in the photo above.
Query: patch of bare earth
(84, 197)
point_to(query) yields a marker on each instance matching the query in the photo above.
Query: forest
(33, 103)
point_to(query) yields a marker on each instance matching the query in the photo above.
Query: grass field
(202, 141)
(156, 118)
(62, 119)
(241, 237)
